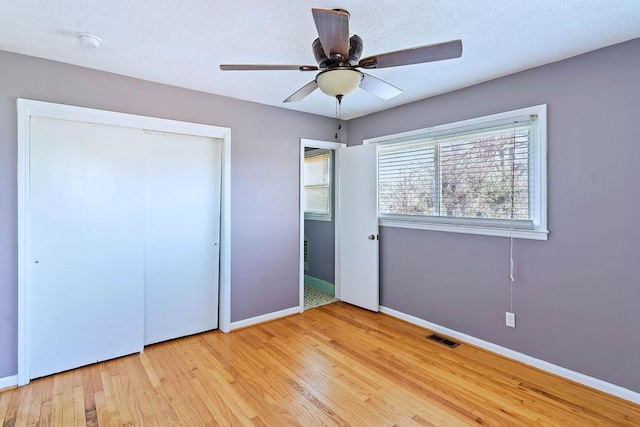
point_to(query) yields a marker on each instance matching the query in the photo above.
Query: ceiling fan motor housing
(355, 51)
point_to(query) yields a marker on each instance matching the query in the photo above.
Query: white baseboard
(7, 382)
(265, 318)
(592, 382)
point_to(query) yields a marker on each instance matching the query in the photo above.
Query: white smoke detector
(89, 40)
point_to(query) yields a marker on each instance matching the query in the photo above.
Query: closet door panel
(86, 235)
(182, 235)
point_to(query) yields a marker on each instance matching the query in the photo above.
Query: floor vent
(443, 340)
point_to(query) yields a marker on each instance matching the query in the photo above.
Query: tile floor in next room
(314, 297)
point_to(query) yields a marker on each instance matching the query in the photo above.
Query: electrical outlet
(510, 319)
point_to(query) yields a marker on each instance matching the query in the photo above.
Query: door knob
(372, 237)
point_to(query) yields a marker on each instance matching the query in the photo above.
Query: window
(481, 176)
(317, 185)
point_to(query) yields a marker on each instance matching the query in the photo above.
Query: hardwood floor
(335, 365)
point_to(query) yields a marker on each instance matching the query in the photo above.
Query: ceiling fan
(338, 57)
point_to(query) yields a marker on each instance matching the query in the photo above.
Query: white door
(358, 222)
(86, 244)
(182, 235)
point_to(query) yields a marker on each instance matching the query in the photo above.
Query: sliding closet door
(182, 235)
(86, 235)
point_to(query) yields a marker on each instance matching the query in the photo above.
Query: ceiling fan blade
(414, 55)
(333, 29)
(302, 92)
(261, 67)
(378, 87)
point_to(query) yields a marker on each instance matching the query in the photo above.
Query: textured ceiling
(182, 43)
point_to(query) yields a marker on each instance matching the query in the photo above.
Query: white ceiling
(182, 43)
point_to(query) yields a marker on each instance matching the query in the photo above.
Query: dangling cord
(338, 114)
(513, 191)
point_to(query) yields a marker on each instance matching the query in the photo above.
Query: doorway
(319, 205)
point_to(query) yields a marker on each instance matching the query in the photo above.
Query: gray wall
(320, 237)
(577, 295)
(264, 157)
(321, 241)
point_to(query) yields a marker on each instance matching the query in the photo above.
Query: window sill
(313, 217)
(467, 229)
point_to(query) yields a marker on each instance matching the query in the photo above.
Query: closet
(123, 237)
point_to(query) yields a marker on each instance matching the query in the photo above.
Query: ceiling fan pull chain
(338, 114)
(336, 136)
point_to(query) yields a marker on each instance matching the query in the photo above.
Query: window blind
(406, 179)
(317, 184)
(483, 174)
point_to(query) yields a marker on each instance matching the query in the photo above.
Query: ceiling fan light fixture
(339, 82)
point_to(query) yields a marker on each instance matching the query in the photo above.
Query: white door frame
(314, 143)
(30, 108)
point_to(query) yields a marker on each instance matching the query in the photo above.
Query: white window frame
(320, 216)
(485, 227)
